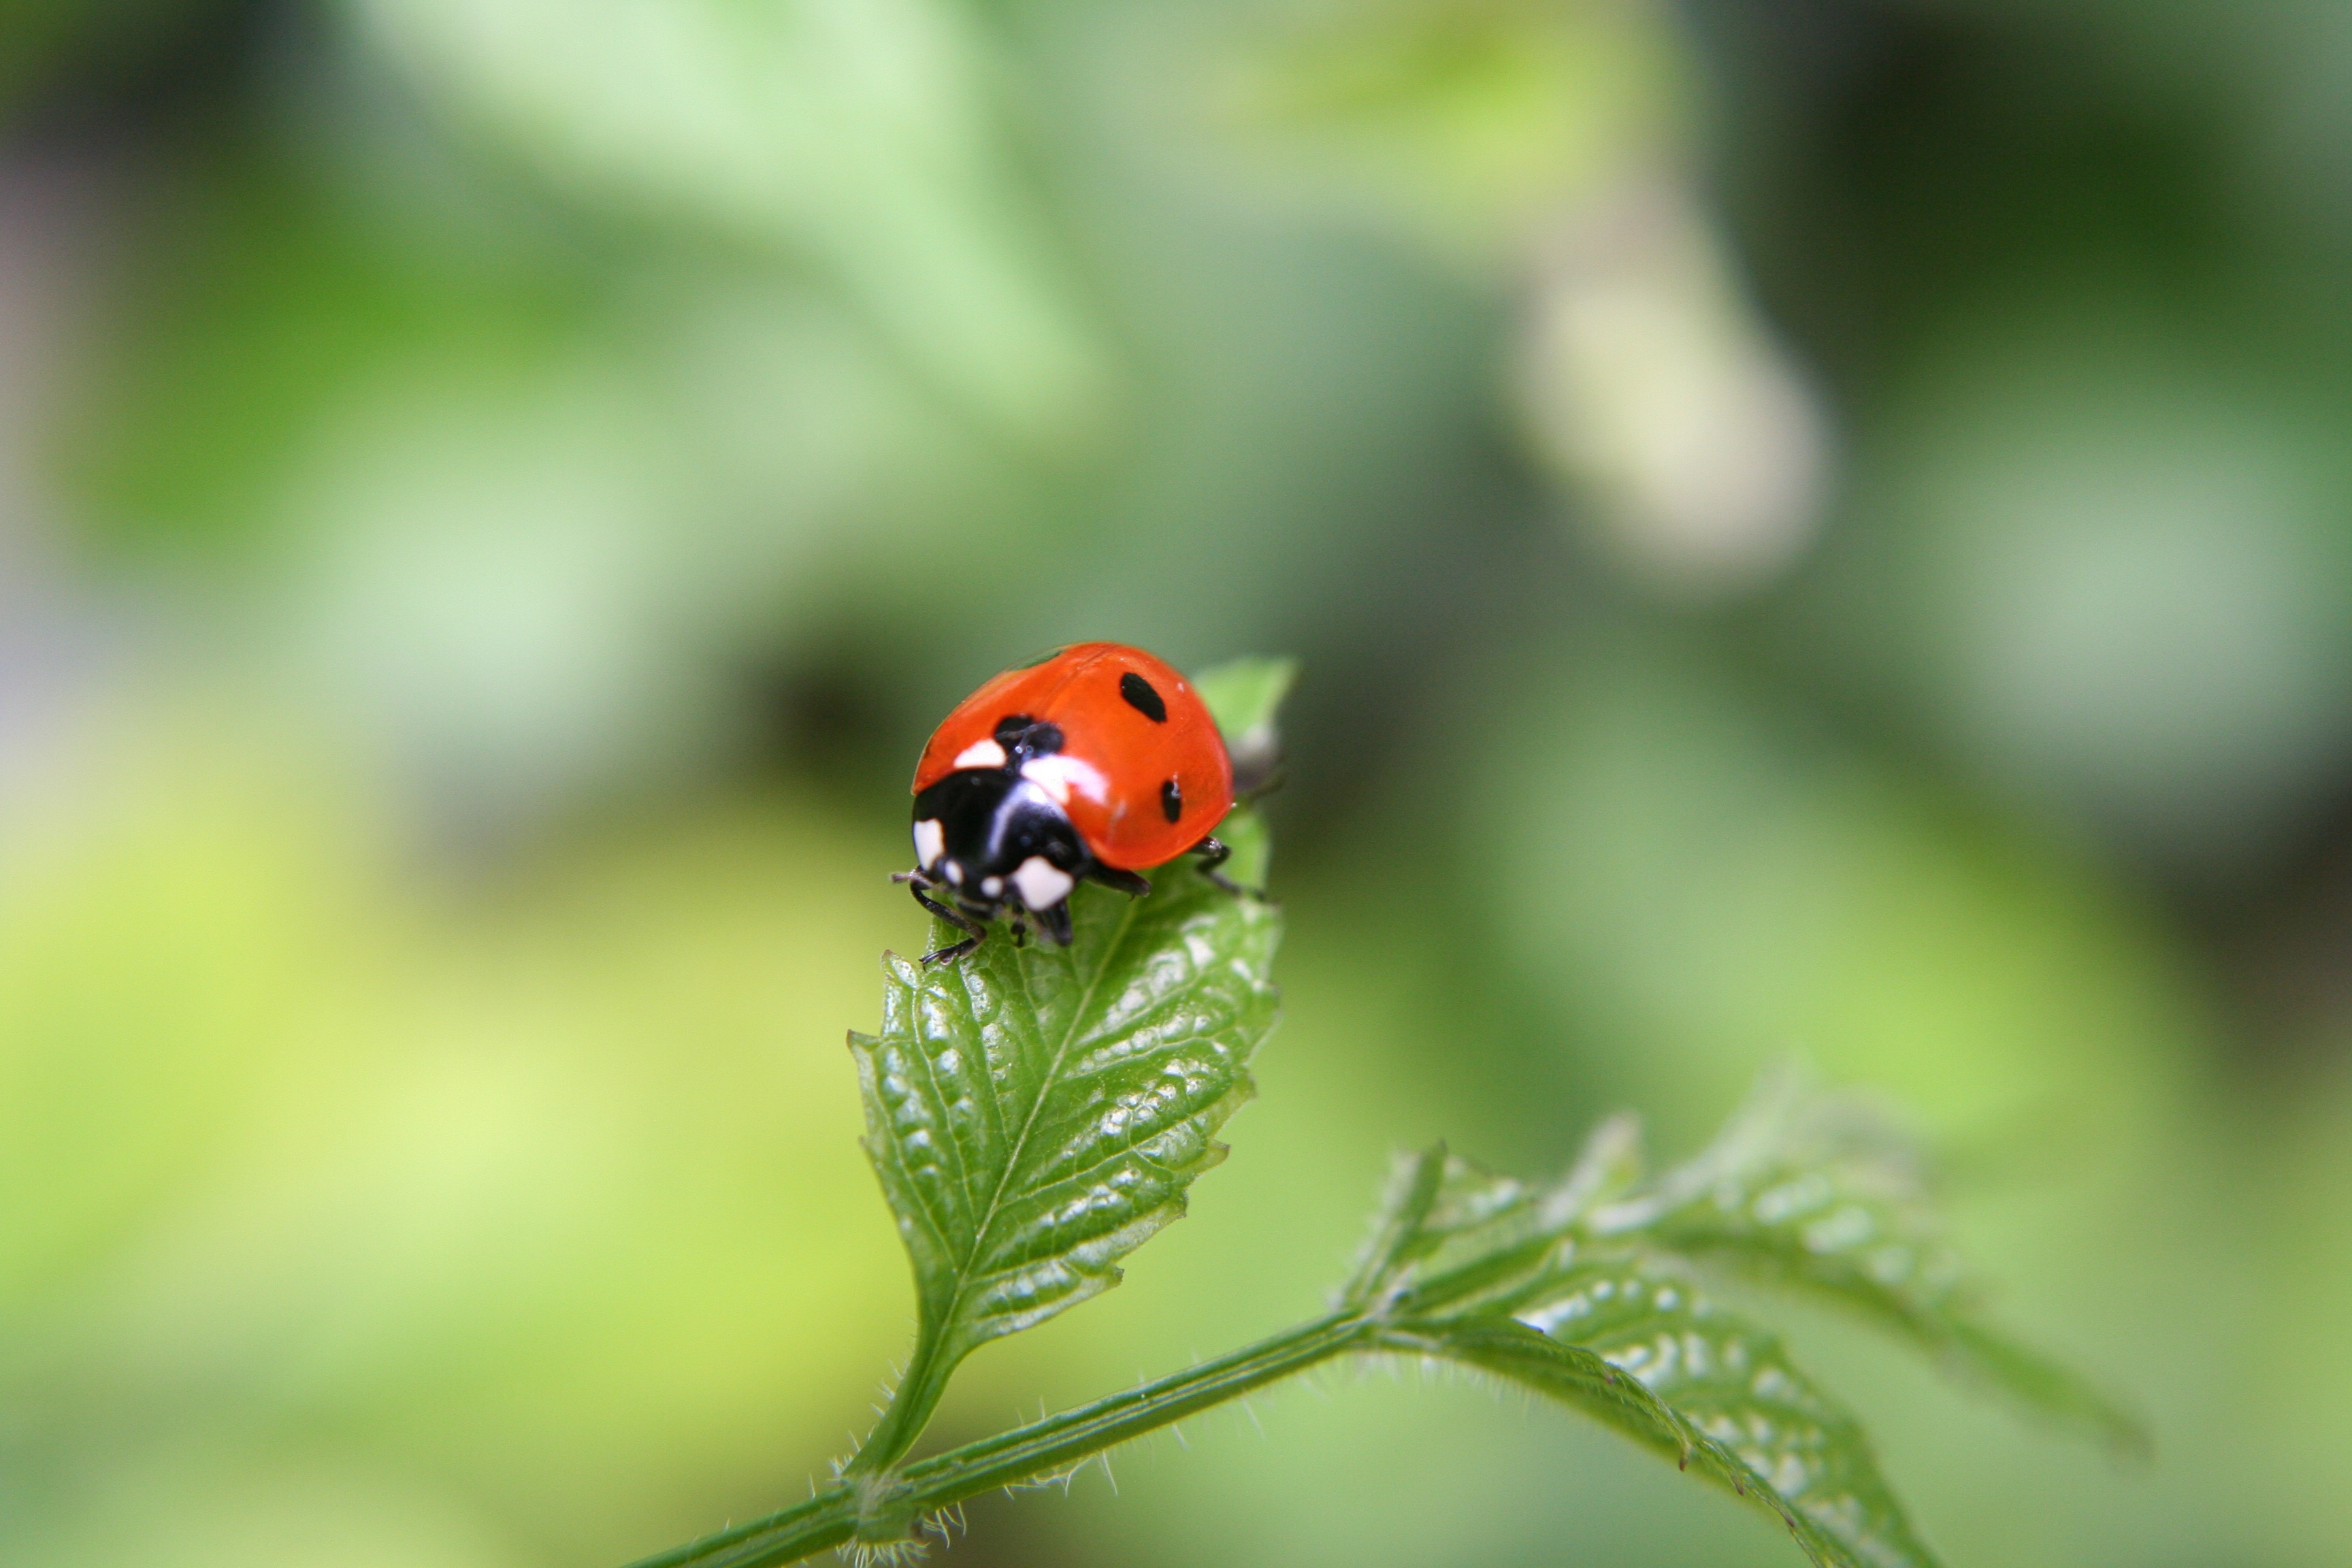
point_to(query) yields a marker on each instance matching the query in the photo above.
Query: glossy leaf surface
(1769, 1429)
(1557, 1287)
(1715, 1396)
(1036, 1113)
(1818, 1194)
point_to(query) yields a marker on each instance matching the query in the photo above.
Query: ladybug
(1091, 763)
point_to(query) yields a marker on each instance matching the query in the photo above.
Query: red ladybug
(1093, 761)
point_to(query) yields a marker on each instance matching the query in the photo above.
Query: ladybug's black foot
(973, 930)
(1213, 854)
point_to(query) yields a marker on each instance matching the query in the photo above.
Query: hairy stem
(910, 1407)
(887, 1504)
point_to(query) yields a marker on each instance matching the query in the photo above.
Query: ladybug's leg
(1127, 882)
(974, 931)
(1249, 792)
(1214, 854)
(1055, 922)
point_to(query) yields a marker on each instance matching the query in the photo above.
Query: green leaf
(1243, 696)
(1401, 1232)
(1735, 1383)
(1564, 1285)
(1559, 1287)
(1709, 1391)
(1817, 1193)
(1037, 1112)
(1454, 1239)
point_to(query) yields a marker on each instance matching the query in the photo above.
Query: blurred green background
(1816, 528)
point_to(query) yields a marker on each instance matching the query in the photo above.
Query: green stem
(1043, 1448)
(910, 1410)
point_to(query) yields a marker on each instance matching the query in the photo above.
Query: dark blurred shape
(105, 69)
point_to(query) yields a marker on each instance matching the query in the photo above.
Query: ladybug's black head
(997, 838)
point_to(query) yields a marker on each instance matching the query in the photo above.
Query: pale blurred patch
(1694, 450)
(2115, 574)
(533, 1216)
(1544, 149)
(863, 138)
(1469, 125)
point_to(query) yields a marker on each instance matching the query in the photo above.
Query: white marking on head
(1058, 775)
(955, 872)
(930, 842)
(992, 886)
(981, 755)
(1042, 884)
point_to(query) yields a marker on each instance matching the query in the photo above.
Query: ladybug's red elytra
(1089, 763)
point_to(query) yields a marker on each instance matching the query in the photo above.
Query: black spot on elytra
(1141, 697)
(1018, 732)
(1171, 800)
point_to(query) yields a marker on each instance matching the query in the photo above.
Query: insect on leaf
(1037, 1112)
